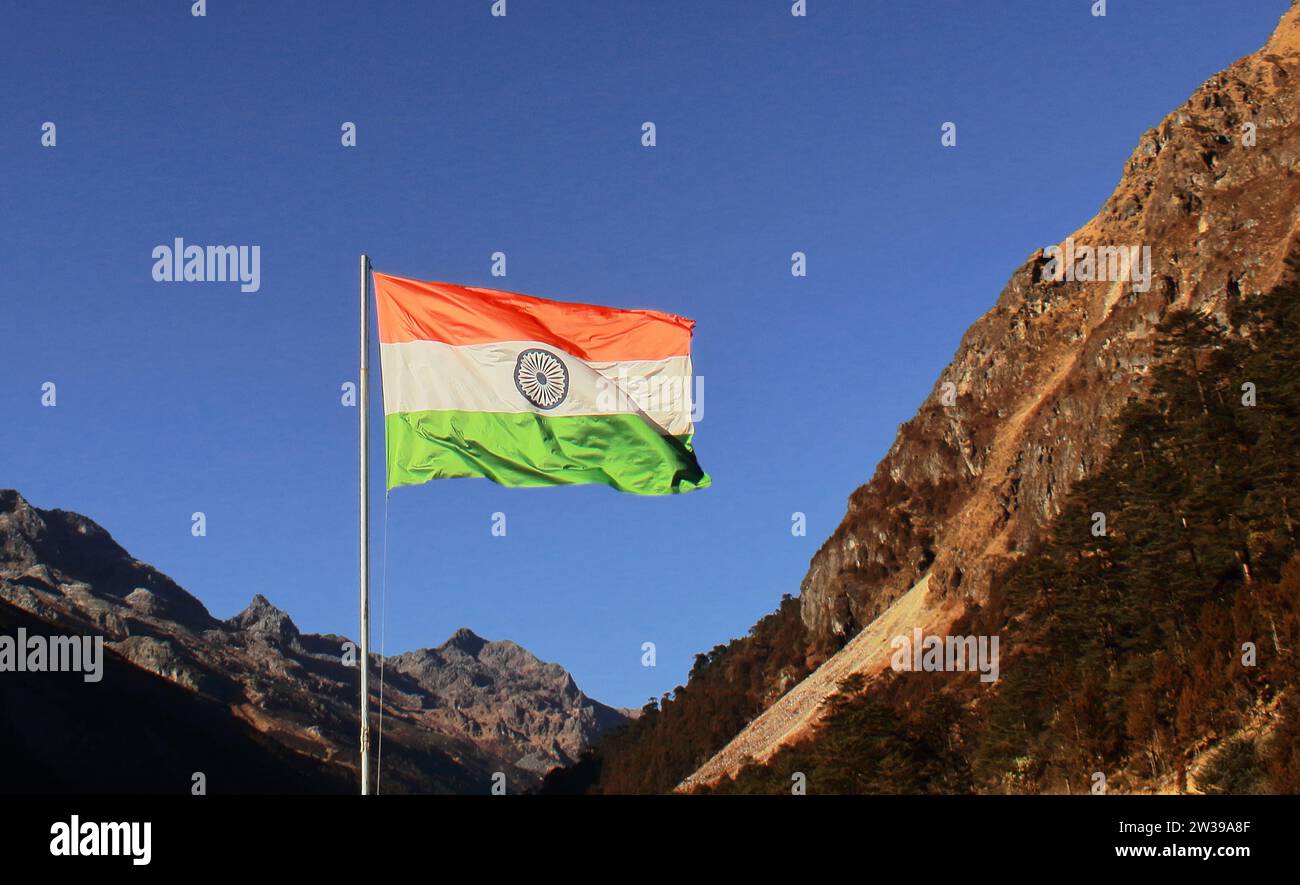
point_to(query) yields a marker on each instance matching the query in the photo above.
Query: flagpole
(363, 402)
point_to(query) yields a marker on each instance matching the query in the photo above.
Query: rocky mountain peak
(68, 552)
(455, 714)
(264, 620)
(53, 536)
(465, 641)
(1026, 408)
(530, 709)
(1286, 38)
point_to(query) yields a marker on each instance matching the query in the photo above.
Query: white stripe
(432, 376)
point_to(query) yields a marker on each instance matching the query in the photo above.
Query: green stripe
(527, 449)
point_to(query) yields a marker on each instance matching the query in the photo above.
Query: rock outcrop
(1214, 191)
(504, 697)
(1027, 407)
(453, 715)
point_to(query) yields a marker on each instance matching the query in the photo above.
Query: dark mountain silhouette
(251, 702)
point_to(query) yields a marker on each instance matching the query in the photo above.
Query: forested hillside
(1161, 653)
(727, 687)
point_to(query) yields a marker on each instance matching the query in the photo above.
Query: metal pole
(363, 402)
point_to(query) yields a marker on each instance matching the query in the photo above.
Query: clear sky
(522, 134)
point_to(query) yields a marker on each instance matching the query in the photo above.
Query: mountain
(1041, 378)
(1156, 655)
(1029, 410)
(251, 701)
(505, 699)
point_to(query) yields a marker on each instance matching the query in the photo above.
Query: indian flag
(531, 392)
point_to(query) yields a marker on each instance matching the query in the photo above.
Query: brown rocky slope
(1040, 377)
(1038, 381)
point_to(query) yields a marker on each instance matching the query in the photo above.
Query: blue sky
(477, 134)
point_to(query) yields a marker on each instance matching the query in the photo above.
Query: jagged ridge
(454, 715)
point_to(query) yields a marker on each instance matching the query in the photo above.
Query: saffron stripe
(411, 310)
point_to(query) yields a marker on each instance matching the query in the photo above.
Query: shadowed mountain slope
(277, 699)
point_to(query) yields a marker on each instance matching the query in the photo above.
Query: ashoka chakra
(542, 378)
